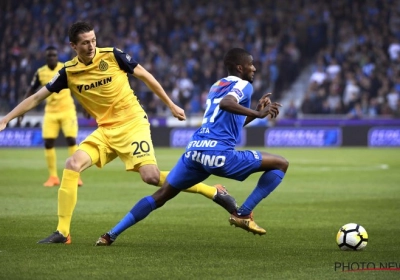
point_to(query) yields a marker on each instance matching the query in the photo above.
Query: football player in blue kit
(211, 150)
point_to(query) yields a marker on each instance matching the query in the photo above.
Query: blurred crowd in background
(357, 72)
(353, 47)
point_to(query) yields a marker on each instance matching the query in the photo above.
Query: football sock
(72, 149)
(266, 184)
(67, 196)
(51, 159)
(140, 211)
(201, 188)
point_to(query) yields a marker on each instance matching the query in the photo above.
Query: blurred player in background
(98, 79)
(59, 114)
(211, 150)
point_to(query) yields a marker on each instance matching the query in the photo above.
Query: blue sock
(266, 184)
(140, 211)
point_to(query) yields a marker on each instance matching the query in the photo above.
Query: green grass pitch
(190, 237)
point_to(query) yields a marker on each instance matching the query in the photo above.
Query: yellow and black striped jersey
(102, 87)
(62, 101)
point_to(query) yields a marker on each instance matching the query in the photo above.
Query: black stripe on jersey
(59, 81)
(125, 61)
(106, 51)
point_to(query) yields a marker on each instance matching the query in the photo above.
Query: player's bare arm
(145, 76)
(26, 105)
(229, 103)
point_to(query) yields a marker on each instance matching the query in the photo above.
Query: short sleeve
(242, 91)
(125, 61)
(58, 82)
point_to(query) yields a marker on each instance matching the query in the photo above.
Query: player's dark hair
(234, 57)
(77, 28)
(51, 48)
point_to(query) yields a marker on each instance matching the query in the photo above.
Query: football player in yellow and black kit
(59, 114)
(98, 79)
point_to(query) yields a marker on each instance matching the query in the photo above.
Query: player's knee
(151, 179)
(283, 164)
(72, 164)
(49, 143)
(71, 141)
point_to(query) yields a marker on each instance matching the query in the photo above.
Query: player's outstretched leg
(246, 223)
(139, 211)
(222, 198)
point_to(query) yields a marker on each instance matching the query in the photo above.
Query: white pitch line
(341, 168)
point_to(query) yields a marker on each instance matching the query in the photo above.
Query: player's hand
(3, 124)
(178, 112)
(271, 109)
(264, 101)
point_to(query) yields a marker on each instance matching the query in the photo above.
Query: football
(352, 237)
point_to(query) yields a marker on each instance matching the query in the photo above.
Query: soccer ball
(352, 237)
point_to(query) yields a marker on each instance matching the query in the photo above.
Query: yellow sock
(201, 188)
(51, 159)
(72, 149)
(67, 197)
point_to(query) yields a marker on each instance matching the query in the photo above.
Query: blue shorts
(195, 166)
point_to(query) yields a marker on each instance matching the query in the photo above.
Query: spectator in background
(373, 108)
(356, 112)
(334, 99)
(364, 45)
(396, 113)
(291, 112)
(183, 90)
(351, 91)
(333, 69)
(394, 49)
(319, 76)
(392, 98)
(307, 106)
(4, 89)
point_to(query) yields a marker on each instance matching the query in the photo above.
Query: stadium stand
(353, 44)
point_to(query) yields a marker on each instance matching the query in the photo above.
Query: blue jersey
(220, 130)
